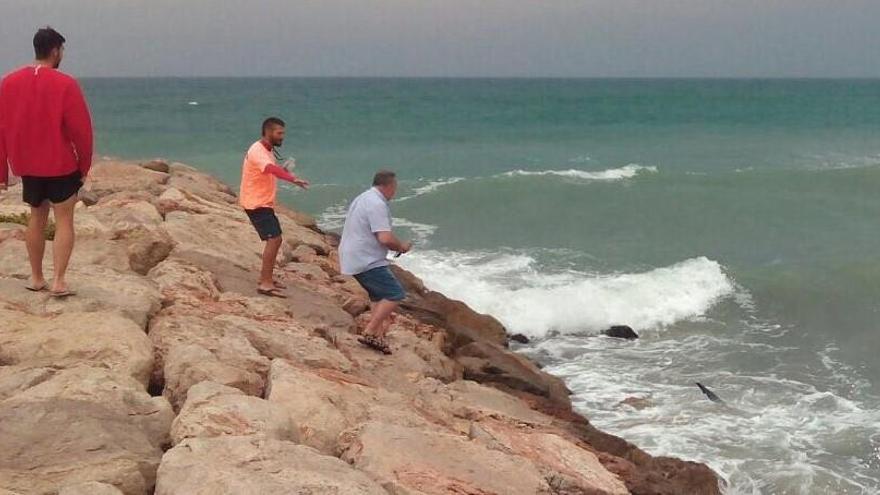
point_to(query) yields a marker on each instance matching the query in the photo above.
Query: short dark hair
(272, 122)
(384, 177)
(46, 40)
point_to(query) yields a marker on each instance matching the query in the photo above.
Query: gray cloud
(592, 38)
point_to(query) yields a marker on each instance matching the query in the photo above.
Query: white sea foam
(627, 172)
(431, 187)
(333, 218)
(537, 304)
(775, 434)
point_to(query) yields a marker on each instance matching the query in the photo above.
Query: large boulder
(417, 353)
(307, 306)
(99, 290)
(189, 364)
(108, 177)
(146, 248)
(89, 252)
(151, 415)
(320, 407)
(90, 488)
(249, 465)
(52, 443)
(181, 282)
(201, 185)
(473, 402)
(213, 410)
(228, 237)
(422, 461)
(15, 379)
(324, 403)
(227, 341)
(118, 216)
(98, 339)
(643, 473)
(571, 467)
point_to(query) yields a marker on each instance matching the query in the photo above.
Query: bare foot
(60, 286)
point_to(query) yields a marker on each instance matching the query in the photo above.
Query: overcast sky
(530, 38)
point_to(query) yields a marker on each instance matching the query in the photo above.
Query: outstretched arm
(285, 175)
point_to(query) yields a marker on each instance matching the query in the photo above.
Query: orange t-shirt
(258, 188)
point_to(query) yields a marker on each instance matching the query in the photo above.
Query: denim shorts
(381, 284)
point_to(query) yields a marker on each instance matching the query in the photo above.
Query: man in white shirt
(363, 252)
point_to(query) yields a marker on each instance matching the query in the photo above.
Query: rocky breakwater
(167, 374)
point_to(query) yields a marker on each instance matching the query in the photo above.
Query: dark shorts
(381, 284)
(38, 190)
(265, 222)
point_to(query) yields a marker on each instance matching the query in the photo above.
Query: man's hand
(406, 247)
(301, 183)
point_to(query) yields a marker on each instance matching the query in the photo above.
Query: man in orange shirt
(257, 197)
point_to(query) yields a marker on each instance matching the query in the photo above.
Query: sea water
(735, 224)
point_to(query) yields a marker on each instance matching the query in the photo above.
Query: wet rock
(520, 338)
(488, 363)
(463, 324)
(637, 403)
(621, 332)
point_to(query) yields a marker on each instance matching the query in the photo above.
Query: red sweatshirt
(45, 127)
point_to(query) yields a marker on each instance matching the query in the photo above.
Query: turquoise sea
(735, 224)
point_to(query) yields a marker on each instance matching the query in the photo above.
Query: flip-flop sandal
(62, 294)
(376, 344)
(271, 293)
(37, 289)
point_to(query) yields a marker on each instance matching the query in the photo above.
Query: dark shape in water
(518, 337)
(621, 332)
(710, 394)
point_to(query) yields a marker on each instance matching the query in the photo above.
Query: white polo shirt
(360, 250)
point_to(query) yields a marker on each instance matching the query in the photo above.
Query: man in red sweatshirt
(46, 139)
(257, 196)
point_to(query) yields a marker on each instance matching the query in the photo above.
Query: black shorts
(265, 222)
(38, 190)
